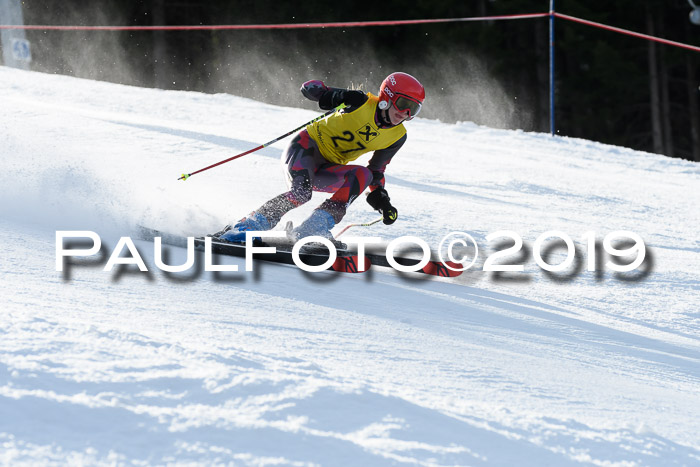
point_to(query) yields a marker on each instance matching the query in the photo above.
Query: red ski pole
(186, 176)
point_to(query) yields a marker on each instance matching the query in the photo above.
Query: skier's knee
(364, 177)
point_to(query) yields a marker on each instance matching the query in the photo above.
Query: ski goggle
(403, 104)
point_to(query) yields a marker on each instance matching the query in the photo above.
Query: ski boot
(319, 223)
(237, 233)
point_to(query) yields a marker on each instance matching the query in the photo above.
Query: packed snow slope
(279, 366)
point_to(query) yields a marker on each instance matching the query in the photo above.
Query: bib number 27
(348, 138)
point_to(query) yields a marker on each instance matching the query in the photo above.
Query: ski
(347, 260)
(433, 268)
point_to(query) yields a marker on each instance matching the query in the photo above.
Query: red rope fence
(350, 24)
(277, 26)
(627, 32)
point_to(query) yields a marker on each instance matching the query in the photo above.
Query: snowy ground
(285, 367)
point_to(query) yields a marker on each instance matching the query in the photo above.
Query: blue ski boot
(319, 223)
(236, 234)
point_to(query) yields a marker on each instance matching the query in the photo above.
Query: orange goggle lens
(404, 103)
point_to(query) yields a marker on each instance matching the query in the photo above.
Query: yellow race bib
(343, 137)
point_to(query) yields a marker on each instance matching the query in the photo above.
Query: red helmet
(403, 91)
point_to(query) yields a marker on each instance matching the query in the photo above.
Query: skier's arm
(380, 159)
(334, 97)
(378, 197)
(329, 98)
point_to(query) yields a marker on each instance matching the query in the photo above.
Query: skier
(318, 157)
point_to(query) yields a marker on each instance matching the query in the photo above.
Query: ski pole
(367, 224)
(186, 176)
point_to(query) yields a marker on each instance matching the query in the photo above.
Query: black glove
(379, 200)
(313, 89)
